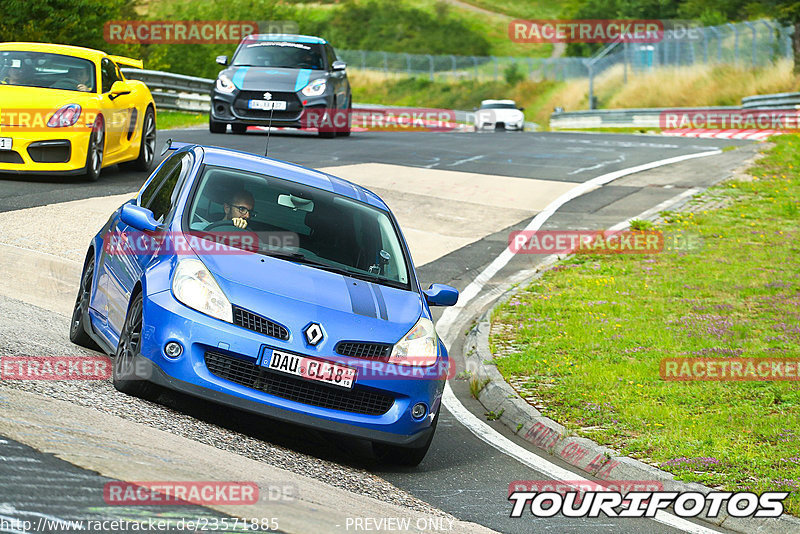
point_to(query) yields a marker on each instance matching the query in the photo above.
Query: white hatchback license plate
(277, 105)
(6, 143)
(312, 369)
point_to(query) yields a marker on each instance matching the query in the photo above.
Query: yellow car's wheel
(94, 154)
(147, 148)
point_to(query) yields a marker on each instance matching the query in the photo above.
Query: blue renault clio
(272, 288)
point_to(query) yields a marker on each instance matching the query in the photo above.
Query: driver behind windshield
(15, 76)
(239, 208)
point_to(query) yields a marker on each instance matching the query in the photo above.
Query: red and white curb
(754, 135)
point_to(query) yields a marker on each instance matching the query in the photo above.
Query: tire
(94, 153)
(123, 371)
(404, 456)
(216, 127)
(238, 128)
(78, 330)
(346, 131)
(328, 135)
(147, 147)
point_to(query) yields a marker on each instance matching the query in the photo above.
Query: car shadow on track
(344, 450)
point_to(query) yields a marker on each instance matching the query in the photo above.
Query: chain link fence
(757, 43)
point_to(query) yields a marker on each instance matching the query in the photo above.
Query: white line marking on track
(445, 323)
(466, 160)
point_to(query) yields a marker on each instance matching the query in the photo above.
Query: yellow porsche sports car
(70, 110)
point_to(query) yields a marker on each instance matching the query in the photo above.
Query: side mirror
(222, 60)
(138, 217)
(118, 89)
(441, 295)
(474, 109)
(521, 109)
(339, 65)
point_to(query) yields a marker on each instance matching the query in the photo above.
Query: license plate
(278, 105)
(5, 143)
(312, 369)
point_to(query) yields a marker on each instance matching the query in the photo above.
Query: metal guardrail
(649, 117)
(175, 91)
(776, 101)
(189, 93)
(617, 118)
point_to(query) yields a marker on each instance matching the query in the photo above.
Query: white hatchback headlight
(224, 84)
(418, 347)
(193, 285)
(315, 88)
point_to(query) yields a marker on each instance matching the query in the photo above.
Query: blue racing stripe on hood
(238, 77)
(302, 79)
(360, 297)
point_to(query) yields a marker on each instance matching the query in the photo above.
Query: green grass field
(170, 120)
(585, 341)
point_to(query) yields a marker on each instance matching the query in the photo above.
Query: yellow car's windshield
(46, 70)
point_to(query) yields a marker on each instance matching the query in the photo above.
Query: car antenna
(269, 129)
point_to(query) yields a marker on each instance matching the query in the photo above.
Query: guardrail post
(475, 64)
(363, 60)
(453, 63)
(496, 68)
(430, 65)
(530, 68)
(705, 46)
(385, 62)
(408, 63)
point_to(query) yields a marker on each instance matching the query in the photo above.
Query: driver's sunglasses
(244, 210)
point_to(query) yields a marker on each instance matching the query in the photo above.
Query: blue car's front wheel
(130, 343)
(78, 332)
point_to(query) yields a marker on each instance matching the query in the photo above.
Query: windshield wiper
(303, 259)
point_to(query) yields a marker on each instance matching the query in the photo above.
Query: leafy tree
(74, 22)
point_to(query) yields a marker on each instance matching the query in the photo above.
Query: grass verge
(170, 120)
(586, 340)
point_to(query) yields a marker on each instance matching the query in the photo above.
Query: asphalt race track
(462, 475)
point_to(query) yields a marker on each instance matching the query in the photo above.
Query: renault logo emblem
(314, 334)
(267, 96)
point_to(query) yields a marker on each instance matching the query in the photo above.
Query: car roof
(288, 37)
(225, 157)
(484, 102)
(69, 50)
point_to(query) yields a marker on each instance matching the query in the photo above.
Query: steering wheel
(65, 83)
(224, 222)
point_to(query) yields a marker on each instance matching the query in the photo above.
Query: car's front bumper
(40, 151)
(166, 320)
(228, 108)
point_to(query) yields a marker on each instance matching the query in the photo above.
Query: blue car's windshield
(300, 223)
(279, 54)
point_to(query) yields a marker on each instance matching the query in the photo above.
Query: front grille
(293, 106)
(50, 151)
(250, 375)
(366, 351)
(10, 156)
(259, 324)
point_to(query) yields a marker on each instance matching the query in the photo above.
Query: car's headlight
(315, 88)
(193, 285)
(418, 347)
(65, 116)
(225, 85)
